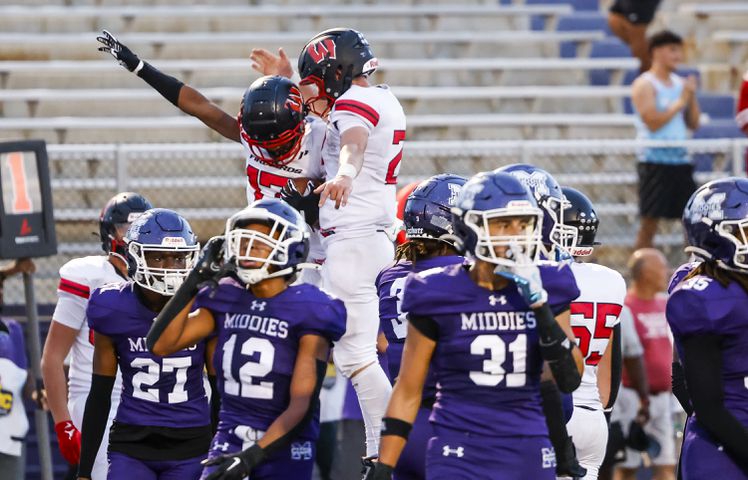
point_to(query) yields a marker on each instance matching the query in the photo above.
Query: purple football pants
(294, 461)
(412, 463)
(702, 458)
(456, 455)
(124, 467)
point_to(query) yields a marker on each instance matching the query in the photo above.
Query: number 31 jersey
(372, 203)
(593, 316)
(258, 339)
(487, 359)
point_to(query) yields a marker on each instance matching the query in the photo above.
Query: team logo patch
(257, 305)
(711, 208)
(132, 216)
(535, 181)
(301, 451)
(549, 457)
(294, 101)
(493, 300)
(458, 452)
(321, 49)
(454, 190)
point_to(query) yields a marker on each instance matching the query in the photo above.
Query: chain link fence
(206, 183)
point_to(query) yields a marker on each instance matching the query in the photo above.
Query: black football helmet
(115, 218)
(271, 120)
(331, 60)
(580, 214)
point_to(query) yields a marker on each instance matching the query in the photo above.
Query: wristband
(139, 67)
(396, 427)
(347, 170)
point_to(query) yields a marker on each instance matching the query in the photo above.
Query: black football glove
(237, 466)
(567, 464)
(373, 470)
(307, 204)
(120, 52)
(210, 266)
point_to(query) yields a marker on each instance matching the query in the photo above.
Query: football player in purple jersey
(430, 243)
(162, 428)
(707, 315)
(486, 330)
(274, 340)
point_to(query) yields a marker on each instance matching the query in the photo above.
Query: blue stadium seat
(580, 22)
(720, 128)
(608, 48)
(588, 5)
(717, 106)
(538, 23)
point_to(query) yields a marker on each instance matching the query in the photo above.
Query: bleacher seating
(580, 22)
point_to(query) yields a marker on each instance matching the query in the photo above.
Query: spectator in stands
(649, 279)
(666, 107)
(13, 377)
(628, 20)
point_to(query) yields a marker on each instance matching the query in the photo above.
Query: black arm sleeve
(616, 366)
(553, 409)
(94, 421)
(168, 86)
(702, 361)
(556, 349)
(184, 294)
(679, 388)
(215, 402)
(427, 326)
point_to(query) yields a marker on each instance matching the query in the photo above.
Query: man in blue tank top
(666, 108)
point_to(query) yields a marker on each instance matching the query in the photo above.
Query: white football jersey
(372, 204)
(593, 315)
(266, 181)
(78, 278)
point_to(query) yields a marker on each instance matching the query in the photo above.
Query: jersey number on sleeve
(264, 352)
(394, 166)
(260, 178)
(151, 373)
(600, 313)
(493, 372)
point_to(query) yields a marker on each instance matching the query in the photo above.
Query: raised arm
(352, 146)
(306, 381)
(184, 97)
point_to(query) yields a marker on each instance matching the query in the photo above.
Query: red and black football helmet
(331, 60)
(115, 218)
(271, 120)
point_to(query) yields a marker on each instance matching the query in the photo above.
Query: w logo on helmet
(324, 48)
(294, 101)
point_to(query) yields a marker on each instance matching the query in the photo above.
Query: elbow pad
(556, 349)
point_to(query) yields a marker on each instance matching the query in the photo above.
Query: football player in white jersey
(594, 321)
(283, 144)
(361, 156)
(69, 330)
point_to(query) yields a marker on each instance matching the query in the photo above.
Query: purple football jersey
(258, 339)
(156, 391)
(679, 274)
(702, 306)
(487, 360)
(392, 321)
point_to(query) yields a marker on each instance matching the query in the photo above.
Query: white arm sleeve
(346, 120)
(631, 346)
(70, 310)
